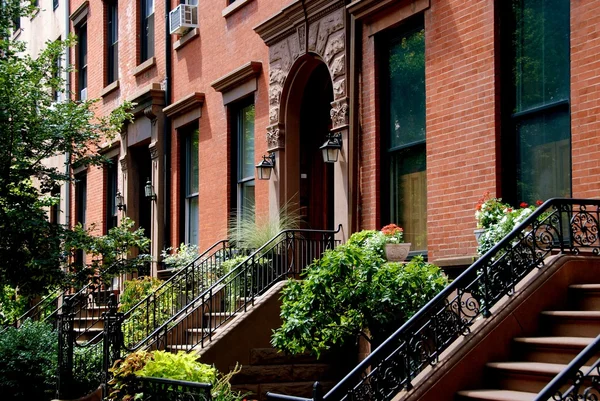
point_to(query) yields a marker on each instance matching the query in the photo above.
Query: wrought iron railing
(577, 381)
(557, 226)
(175, 294)
(44, 310)
(157, 389)
(285, 255)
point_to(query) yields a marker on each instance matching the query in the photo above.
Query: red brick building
(435, 102)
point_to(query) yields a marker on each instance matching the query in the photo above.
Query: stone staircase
(536, 360)
(272, 371)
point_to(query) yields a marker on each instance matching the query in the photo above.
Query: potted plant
(396, 250)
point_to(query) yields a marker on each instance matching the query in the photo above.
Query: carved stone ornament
(339, 113)
(123, 162)
(153, 150)
(275, 137)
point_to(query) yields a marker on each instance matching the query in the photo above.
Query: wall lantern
(265, 167)
(149, 191)
(120, 201)
(331, 147)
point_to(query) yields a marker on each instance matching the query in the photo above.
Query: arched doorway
(309, 182)
(316, 177)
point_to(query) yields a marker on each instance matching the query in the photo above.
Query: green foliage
(12, 305)
(351, 289)
(33, 129)
(142, 322)
(250, 231)
(230, 264)
(87, 369)
(179, 257)
(28, 362)
(180, 366)
(108, 255)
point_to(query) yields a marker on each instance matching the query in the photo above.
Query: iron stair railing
(558, 226)
(584, 380)
(285, 255)
(174, 294)
(44, 310)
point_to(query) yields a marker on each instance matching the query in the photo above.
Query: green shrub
(161, 364)
(87, 370)
(178, 258)
(12, 305)
(28, 362)
(349, 290)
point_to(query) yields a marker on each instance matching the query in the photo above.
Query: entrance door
(316, 176)
(142, 170)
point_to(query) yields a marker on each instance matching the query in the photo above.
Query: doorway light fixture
(120, 201)
(265, 167)
(149, 190)
(331, 147)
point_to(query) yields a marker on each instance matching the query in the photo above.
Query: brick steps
(537, 360)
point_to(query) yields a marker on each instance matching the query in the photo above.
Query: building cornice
(188, 103)
(362, 9)
(149, 96)
(237, 77)
(82, 11)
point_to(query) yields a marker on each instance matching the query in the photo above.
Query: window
(190, 184)
(54, 4)
(537, 117)
(147, 29)
(403, 132)
(80, 208)
(54, 216)
(56, 75)
(243, 140)
(111, 193)
(113, 42)
(82, 61)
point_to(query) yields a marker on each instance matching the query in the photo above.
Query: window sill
(110, 88)
(145, 66)
(194, 33)
(17, 33)
(233, 7)
(35, 13)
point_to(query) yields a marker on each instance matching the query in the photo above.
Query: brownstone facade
(284, 57)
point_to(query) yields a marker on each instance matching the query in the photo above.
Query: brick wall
(585, 97)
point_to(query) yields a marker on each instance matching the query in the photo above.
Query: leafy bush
(177, 258)
(180, 366)
(140, 323)
(12, 305)
(28, 362)
(87, 369)
(351, 289)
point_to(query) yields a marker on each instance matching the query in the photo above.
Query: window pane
(407, 89)
(192, 164)
(192, 221)
(247, 197)
(541, 43)
(408, 194)
(544, 167)
(247, 142)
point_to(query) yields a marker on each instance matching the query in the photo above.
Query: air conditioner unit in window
(182, 18)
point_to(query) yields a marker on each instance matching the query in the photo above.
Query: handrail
(419, 342)
(35, 310)
(573, 373)
(174, 294)
(258, 272)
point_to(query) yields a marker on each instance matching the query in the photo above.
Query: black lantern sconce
(331, 147)
(265, 167)
(149, 191)
(120, 201)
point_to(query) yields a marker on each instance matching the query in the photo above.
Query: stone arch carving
(315, 30)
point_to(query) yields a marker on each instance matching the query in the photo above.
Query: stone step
(585, 297)
(495, 395)
(257, 374)
(571, 323)
(272, 356)
(529, 377)
(560, 350)
(297, 389)
(88, 322)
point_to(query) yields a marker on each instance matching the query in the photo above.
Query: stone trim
(110, 88)
(233, 7)
(148, 97)
(145, 66)
(188, 103)
(183, 40)
(80, 14)
(339, 114)
(238, 76)
(275, 137)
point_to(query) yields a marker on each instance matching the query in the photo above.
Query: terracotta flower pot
(397, 252)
